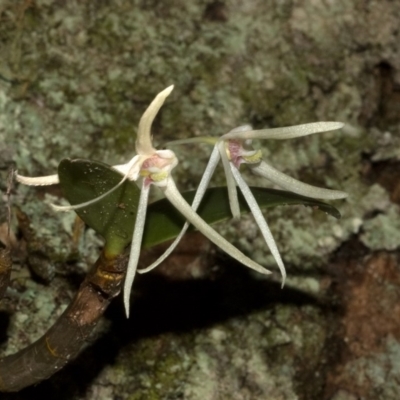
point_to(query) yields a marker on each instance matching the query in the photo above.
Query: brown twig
(65, 338)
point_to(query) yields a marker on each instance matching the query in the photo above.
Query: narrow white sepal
(230, 182)
(130, 166)
(136, 245)
(205, 180)
(293, 185)
(288, 132)
(260, 220)
(174, 196)
(131, 169)
(38, 181)
(144, 145)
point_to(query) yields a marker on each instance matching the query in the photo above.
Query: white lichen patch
(306, 284)
(37, 308)
(382, 231)
(377, 372)
(241, 367)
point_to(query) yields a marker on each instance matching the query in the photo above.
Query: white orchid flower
(152, 167)
(235, 148)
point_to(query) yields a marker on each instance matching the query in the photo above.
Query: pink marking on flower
(235, 148)
(155, 161)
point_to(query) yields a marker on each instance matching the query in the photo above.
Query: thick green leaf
(215, 208)
(114, 216)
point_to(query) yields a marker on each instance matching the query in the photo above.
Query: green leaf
(114, 216)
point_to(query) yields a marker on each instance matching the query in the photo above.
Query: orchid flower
(235, 148)
(152, 167)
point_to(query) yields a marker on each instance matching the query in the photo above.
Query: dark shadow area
(4, 322)
(166, 306)
(386, 173)
(381, 104)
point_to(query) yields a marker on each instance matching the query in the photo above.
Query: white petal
(230, 182)
(173, 195)
(144, 144)
(258, 216)
(135, 245)
(167, 252)
(38, 181)
(293, 185)
(131, 169)
(205, 180)
(131, 166)
(242, 128)
(288, 132)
